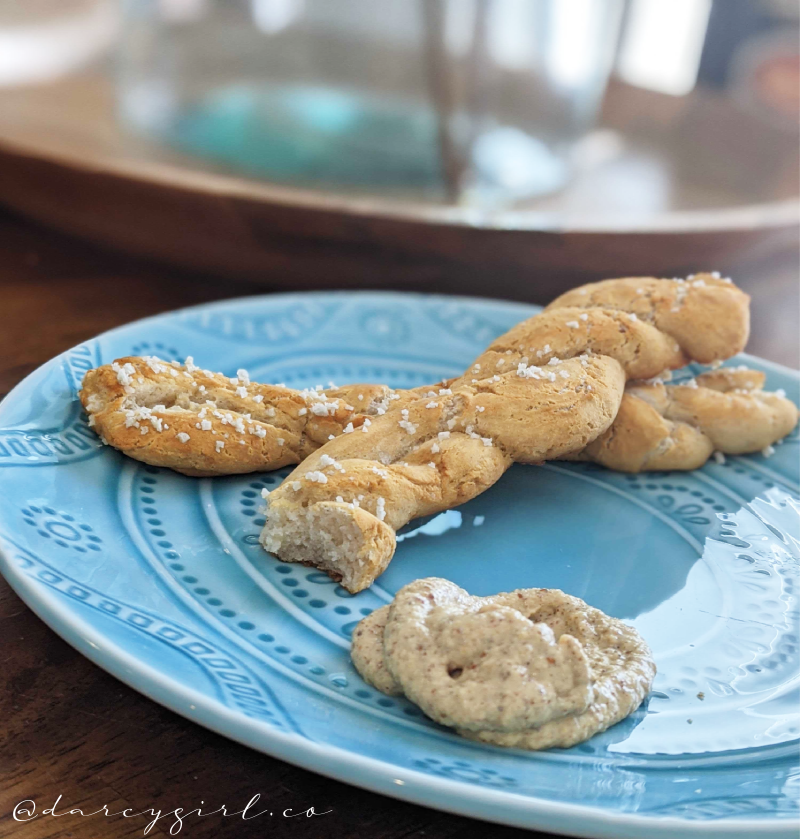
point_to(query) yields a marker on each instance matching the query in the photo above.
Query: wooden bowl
(696, 184)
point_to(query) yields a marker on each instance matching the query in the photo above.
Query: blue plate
(160, 580)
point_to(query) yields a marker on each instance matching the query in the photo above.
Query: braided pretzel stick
(340, 509)
(134, 397)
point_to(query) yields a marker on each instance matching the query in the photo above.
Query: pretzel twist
(282, 426)
(340, 509)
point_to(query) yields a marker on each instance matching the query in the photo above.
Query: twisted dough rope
(340, 509)
(202, 423)
(197, 414)
(666, 427)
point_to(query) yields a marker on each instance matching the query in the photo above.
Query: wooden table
(70, 729)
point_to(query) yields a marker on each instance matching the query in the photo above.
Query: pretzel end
(349, 544)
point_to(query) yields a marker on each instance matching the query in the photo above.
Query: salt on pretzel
(657, 427)
(119, 398)
(202, 423)
(437, 645)
(566, 373)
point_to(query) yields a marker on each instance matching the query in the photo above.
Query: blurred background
(503, 147)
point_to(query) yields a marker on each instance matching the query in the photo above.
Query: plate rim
(370, 773)
(374, 775)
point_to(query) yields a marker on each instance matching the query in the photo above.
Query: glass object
(476, 101)
(41, 40)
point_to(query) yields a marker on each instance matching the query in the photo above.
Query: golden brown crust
(708, 317)
(435, 454)
(642, 438)
(202, 423)
(550, 387)
(550, 381)
(678, 427)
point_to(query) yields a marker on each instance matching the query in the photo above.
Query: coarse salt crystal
(435, 448)
(317, 477)
(124, 373)
(302, 412)
(348, 429)
(154, 364)
(572, 324)
(584, 316)
(327, 460)
(768, 451)
(219, 445)
(296, 486)
(182, 436)
(380, 508)
(719, 457)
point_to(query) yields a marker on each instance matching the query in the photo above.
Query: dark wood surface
(68, 728)
(696, 182)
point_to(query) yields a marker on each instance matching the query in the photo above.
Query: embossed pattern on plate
(160, 579)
